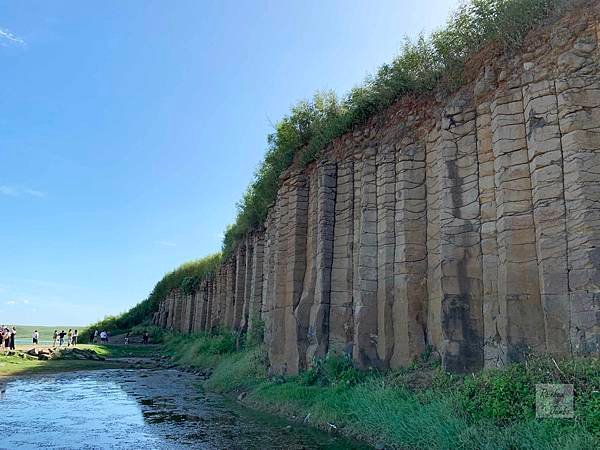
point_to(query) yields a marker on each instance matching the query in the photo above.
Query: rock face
(468, 223)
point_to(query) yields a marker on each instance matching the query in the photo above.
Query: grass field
(14, 365)
(24, 332)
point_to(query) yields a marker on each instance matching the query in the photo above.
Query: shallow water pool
(138, 409)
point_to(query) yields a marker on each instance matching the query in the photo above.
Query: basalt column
(275, 313)
(247, 283)
(171, 314)
(178, 310)
(318, 330)
(410, 255)
(222, 287)
(269, 259)
(385, 241)
(230, 293)
(210, 301)
(201, 303)
(256, 282)
(546, 168)
(340, 308)
(365, 288)
(466, 220)
(162, 314)
(296, 321)
(433, 187)
(239, 287)
(578, 102)
(186, 312)
(302, 309)
(493, 347)
(522, 324)
(460, 250)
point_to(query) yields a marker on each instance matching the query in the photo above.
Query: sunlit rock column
(277, 294)
(546, 168)
(385, 241)
(307, 297)
(318, 331)
(365, 298)
(410, 256)
(296, 324)
(268, 298)
(434, 276)
(521, 324)
(494, 348)
(340, 309)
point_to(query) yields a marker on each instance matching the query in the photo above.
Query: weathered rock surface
(467, 222)
(72, 353)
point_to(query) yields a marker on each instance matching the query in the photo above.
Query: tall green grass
(419, 407)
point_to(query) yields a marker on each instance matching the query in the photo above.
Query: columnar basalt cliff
(468, 223)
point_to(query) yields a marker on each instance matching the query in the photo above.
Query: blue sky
(129, 129)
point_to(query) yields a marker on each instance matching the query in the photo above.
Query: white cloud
(7, 38)
(8, 190)
(18, 191)
(17, 302)
(166, 243)
(34, 193)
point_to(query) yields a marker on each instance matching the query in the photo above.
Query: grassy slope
(419, 407)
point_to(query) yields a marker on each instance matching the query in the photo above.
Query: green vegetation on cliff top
(187, 277)
(419, 407)
(299, 137)
(422, 64)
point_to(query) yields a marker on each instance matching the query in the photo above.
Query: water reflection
(137, 409)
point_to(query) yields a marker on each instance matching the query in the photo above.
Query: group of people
(145, 338)
(60, 337)
(105, 335)
(102, 335)
(8, 337)
(8, 334)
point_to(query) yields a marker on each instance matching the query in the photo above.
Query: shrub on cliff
(509, 395)
(421, 65)
(333, 370)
